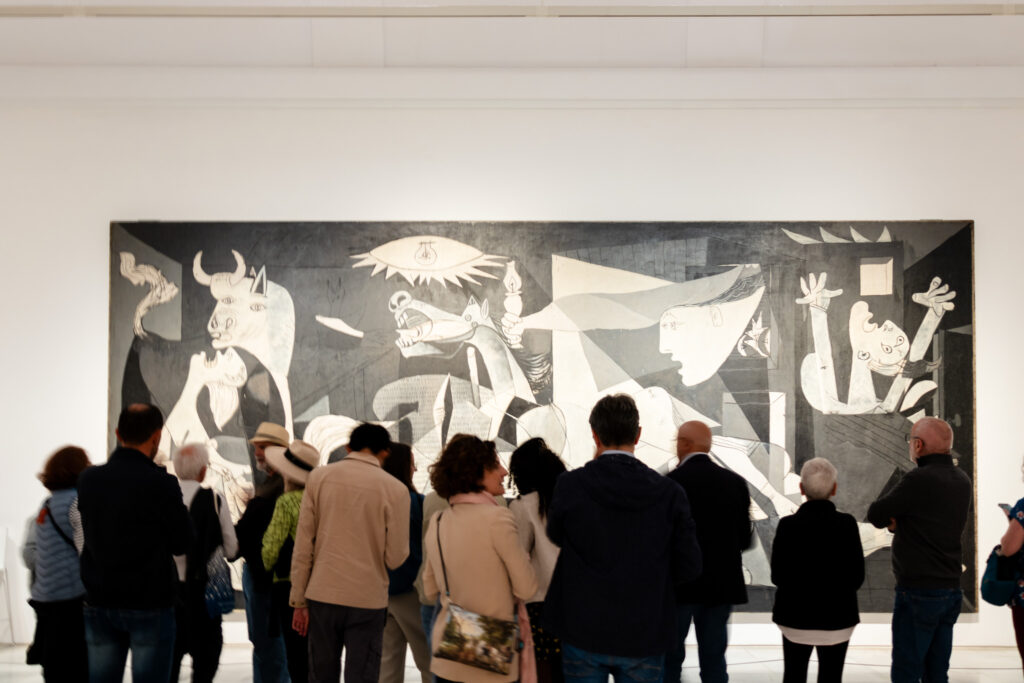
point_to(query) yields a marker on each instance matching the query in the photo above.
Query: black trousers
(360, 632)
(60, 641)
(296, 647)
(196, 634)
(830, 661)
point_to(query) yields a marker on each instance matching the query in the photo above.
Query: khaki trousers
(403, 626)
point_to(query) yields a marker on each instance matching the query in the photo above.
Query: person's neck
(630, 448)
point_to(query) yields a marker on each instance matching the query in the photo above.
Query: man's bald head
(694, 437)
(930, 435)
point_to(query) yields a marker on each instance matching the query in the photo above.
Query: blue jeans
(580, 666)
(922, 633)
(427, 613)
(268, 658)
(111, 632)
(711, 624)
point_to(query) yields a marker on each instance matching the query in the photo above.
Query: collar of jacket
(124, 452)
(935, 459)
(359, 456)
(816, 507)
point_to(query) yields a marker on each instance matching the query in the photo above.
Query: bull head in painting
(252, 313)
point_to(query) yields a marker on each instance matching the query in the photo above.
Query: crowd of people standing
(604, 568)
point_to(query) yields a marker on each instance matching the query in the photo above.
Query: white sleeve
(227, 529)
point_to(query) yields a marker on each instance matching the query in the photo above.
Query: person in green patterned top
(294, 464)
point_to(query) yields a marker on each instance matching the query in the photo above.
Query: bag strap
(53, 520)
(440, 552)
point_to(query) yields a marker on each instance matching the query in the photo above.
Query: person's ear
(835, 487)
(637, 439)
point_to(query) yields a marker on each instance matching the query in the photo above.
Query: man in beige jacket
(353, 527)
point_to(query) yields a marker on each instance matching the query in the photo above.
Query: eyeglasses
(909, 437)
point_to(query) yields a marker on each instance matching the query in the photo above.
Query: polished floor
(746, 665)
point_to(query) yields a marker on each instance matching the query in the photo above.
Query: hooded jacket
(627, 539)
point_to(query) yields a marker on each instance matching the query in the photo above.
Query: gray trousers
(357, 631)
(404, 626)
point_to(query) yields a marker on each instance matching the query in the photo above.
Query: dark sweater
(720, 503)
(930, 505)
(253, 524)
(134, 522)
(818, 565)
(401, 580)
(626, 539)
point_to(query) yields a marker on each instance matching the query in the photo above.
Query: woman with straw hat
(294, 463)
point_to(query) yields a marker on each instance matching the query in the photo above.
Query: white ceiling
(407, 35)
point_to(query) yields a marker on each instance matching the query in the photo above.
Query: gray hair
(189, 461)
(818, 476)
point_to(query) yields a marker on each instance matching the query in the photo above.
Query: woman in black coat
(817, 565)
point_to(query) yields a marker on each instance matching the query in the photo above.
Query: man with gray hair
(198, 633)
(817, 566)
(927, 511)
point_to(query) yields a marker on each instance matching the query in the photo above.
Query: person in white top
(199, 634)
(534, 469)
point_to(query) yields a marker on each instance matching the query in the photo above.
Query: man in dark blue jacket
(720, 503)
(134, 522)
(626, 541)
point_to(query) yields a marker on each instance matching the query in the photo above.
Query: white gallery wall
(81, 146)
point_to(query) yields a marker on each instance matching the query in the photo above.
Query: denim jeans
(711, 624)
(922, 633)
(580, 666)
(111, 632)
(427, 613)
(268, 658)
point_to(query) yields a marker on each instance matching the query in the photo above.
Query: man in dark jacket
(626, 541)
(927, 510)
(134, 522)
(269, 664)
(720, 504)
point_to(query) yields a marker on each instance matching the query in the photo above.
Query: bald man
(720, 504)
(927, 510)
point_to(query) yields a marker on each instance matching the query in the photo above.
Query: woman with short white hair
(817, 566)
(197, 632)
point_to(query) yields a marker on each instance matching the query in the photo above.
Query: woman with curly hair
(51, 555)
(484, 568)
(534, 469)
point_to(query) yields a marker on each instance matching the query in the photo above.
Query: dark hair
(462, 465)
(138, 422)
(535, 467)
(63, 467)
(399, 464)
(615, 420)
(369, 436)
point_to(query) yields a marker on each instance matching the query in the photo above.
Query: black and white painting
(792, 340)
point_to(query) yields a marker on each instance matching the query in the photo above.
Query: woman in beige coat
(487, 568)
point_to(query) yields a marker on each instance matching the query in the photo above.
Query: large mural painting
(792, 340)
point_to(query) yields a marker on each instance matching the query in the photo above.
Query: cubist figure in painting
(884, 349)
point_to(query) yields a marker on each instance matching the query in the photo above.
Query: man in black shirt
(134, 522)
(927, 510)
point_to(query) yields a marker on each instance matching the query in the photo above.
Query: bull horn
(198, 272)
(239, 273)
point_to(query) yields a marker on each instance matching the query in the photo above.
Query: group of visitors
(605, 568)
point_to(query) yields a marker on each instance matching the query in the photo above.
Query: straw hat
(294, 462)
(268, 432)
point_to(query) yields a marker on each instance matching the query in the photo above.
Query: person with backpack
(199, 633)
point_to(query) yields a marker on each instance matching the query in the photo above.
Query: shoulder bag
(999, 582)
(219, 593)
(474, 639)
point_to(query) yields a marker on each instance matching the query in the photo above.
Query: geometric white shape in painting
(876, 276)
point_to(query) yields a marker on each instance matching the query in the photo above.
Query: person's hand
(300, 620)
(938, 297)
(815, 293)
(892, 524)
